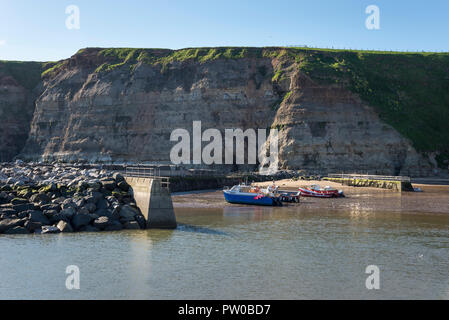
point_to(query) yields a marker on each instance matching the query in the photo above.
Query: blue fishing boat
(249, 195)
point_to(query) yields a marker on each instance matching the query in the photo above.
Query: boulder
(32, 226)
(123, 186)
(89, 228)
(58, 217)
(91, 207)
(132, 225)
(52, 206)
(102, 222)
(64, 226)
(40, 198)
(69, 212)
(83, 210)
(17, 230)
(80, 220)
(23, 207)
(49, 213)
(38, 216)
(140, 219)
(7, 224)
(19, 201)
(8, 211)
(102, 204)
(114, 226)
(118, 177)
(128, 213)
(109, 184)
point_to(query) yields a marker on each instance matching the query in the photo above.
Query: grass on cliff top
(118, 57)
(27, 74)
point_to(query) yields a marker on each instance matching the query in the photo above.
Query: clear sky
(36, 30)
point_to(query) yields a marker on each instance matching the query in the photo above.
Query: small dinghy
(319, 192)
(244, 194)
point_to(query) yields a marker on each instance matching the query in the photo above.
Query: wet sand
(433, 200)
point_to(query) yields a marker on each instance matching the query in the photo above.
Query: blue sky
(36, 30)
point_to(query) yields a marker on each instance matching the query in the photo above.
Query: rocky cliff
(335, 111)
(17, 81)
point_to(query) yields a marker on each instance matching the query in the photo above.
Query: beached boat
(243, 194)
(320, 192)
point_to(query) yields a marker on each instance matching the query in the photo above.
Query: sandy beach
(433, 200)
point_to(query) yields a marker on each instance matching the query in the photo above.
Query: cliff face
(16, 112)
(106, 105)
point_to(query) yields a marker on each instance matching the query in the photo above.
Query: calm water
(239, 252)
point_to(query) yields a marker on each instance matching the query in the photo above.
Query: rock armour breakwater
(53, 199)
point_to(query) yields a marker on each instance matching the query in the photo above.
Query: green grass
(27, 74)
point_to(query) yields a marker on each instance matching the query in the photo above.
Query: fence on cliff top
(369, 177)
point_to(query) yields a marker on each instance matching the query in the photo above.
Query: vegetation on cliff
(27, 74)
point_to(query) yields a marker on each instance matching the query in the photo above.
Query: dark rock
(58, 200)
(69, 212)
(79, 203)
(8, 212)
(102, 204)
(19, 201)
(91, 207)
(64, 226)
(102, 222)
(140, 219)
(23, 207)
(40, 198)
(118, 177)
(38, 216)
(109, 184)
(68, 204)
(49, 213)
(52, 206)
(80, 220)
(6, 224)
(32, 226)
(132, 225)
(114, 226)
(83, 210)
(17, 230)
(94, 185)
(89, 228)
(127, 212)
(58, 217)
(123, 186)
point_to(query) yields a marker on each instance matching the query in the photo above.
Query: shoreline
(433, 200)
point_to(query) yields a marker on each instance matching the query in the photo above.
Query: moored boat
(320, 192)
(243, 194)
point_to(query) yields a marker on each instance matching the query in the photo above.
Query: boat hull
(306, 192)
(254, 199)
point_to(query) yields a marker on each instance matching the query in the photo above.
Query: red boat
(319, 192)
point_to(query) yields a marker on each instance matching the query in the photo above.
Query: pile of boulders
(52, 199)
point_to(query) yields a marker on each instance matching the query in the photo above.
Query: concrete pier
(153, 198)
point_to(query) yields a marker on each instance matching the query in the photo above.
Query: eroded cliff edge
(336, 111)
